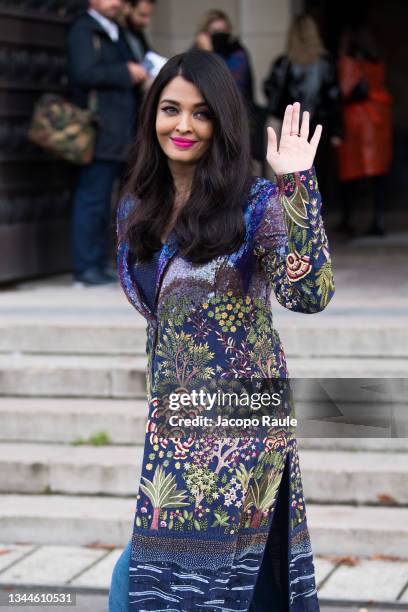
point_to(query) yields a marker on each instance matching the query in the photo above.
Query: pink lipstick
(183, 143)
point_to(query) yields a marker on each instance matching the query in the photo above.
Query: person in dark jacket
(307, 73)
(101, 67)
(137, 17)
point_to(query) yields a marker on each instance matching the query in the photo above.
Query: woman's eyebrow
(203, 103)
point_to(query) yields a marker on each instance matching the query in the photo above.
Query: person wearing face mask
(215, 34)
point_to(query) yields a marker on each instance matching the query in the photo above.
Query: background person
(215, 34)
(364, 156)
(307, 73)
(137, 16)
(100, 60)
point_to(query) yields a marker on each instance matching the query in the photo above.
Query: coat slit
(271, 591)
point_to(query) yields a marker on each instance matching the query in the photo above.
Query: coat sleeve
(85, 68)
(291, 245)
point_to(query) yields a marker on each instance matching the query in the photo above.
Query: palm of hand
(295, 152)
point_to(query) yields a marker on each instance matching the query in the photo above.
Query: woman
(366, 151)
(307, 73)
(201, 244)
(215, 34)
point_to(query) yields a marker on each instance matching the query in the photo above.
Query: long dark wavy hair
(211, 221)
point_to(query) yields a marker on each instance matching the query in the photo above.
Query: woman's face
(183, 124)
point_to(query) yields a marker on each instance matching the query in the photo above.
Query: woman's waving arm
(290, 241)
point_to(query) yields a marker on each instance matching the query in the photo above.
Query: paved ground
(86, 570)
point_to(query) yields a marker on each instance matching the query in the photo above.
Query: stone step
(301, 337)
(364, 477)
(82, 338)
(364, 530)
(51, 420)
(70, 470)
(84, 520)
(124, 377)
(329, 477)
(72, 376)
(385, 445)
(347, 367)
(62, 420)
(64, 519)
(343, 336)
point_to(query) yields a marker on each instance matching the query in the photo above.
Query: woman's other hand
(295, 152)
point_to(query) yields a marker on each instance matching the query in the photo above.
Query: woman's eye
(169, 109)
(204, 115)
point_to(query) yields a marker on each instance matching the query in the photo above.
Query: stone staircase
(73, 371)
(62, 380)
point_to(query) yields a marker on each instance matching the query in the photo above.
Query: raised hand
(294, 153)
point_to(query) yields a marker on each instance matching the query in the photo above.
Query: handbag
(64, 129)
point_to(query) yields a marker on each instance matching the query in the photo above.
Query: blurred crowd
(110, 54)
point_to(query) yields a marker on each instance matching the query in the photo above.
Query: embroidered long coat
(210, 512)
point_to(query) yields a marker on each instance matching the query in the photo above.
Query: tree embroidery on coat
(162, 493)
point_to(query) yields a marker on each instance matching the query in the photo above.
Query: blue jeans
(91, 214)
(266, 594)
(119, 589)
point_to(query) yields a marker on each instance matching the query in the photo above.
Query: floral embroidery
(297, 266)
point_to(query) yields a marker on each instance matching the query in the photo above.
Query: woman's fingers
(287, 120)
(295, 119)
(304, 128)
(272, 140)
(316, 136)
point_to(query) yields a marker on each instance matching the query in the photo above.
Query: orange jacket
(367, 146)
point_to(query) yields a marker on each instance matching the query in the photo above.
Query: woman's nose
(184, 124)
